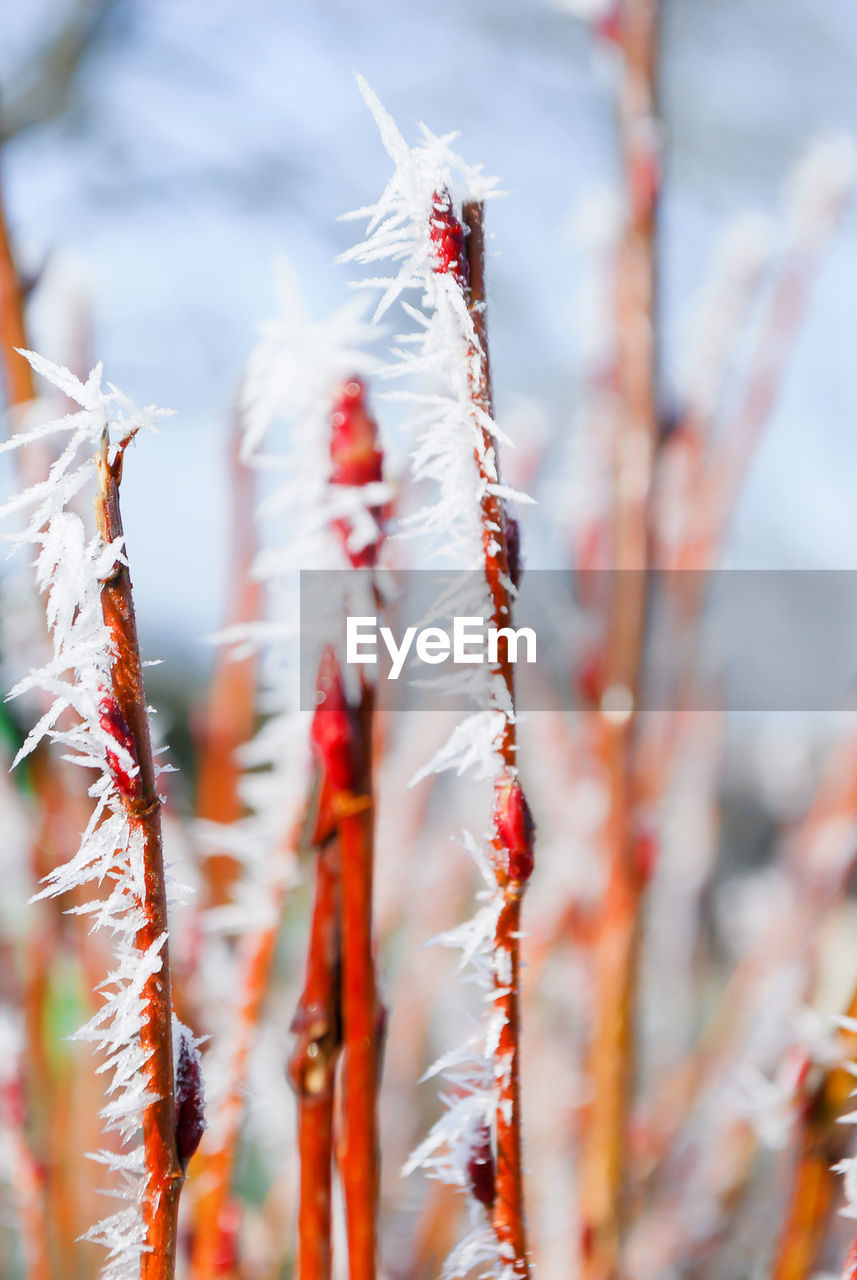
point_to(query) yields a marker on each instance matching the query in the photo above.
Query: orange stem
(165, 1174)
(312, 1070)
(358, 1155)
(508, 1214)
(216, 1169)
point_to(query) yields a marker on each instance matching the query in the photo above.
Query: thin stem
(358, 1155)
(165, 1174)
(312, 1070)
(508, 1214)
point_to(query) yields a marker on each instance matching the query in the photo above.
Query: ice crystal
(73, 684)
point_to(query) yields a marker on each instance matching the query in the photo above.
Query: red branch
(312, 1069)
(513, 858)
(164, 1169)
(342, 739)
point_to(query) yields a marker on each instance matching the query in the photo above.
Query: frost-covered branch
(98, 714)
(422, 222)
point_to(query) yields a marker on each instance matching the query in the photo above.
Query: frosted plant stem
(164, 1172)
(312, 1069)
(358, 1145)
(604, 1157)
(508, 1216)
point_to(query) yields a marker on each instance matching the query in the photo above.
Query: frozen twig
(96, 672)
(438, 239)
(124, 714)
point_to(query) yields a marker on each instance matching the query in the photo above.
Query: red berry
(514, 827)
(447, 237)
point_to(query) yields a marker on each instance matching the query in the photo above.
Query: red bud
(513, 550)
(190, 1101)
(113, 722)
(514, 827)
(447, 237)
(480, 1169)
(356, 458)
(354, 448)
(334, 735)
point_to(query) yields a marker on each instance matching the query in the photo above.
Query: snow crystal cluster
(455, 449)
(74, 686)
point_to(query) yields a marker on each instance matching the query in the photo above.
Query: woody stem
(163, 1168)
(508, 1215)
